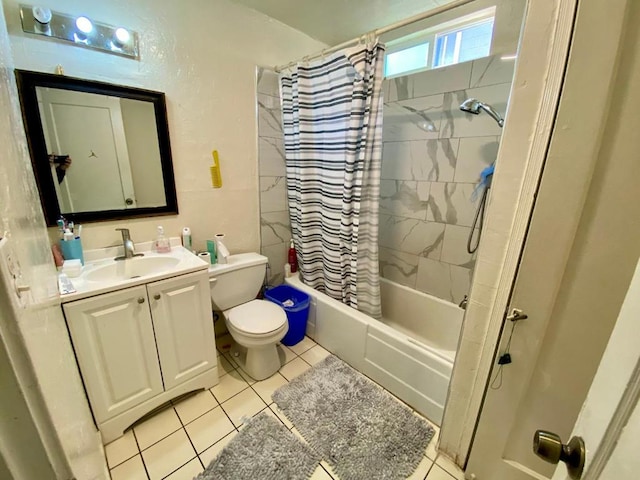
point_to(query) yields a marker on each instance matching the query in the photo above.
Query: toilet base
(257, 362)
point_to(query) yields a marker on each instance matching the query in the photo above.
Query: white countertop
(94, 259)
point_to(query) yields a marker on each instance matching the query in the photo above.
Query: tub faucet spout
(463, 303)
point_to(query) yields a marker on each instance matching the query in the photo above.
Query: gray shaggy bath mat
(355, 425)
(266, 450)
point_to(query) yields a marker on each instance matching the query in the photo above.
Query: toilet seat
(256, 318)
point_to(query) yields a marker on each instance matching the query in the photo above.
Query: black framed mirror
(99, 151)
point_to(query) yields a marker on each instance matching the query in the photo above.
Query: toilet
(255, 325)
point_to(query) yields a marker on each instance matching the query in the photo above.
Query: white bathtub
(410, 352)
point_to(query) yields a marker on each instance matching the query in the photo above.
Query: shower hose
(478, 222)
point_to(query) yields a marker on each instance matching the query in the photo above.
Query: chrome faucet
(463, 303)
(129, 249)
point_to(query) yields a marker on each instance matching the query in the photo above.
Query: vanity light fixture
(121, 37)
(79, 30)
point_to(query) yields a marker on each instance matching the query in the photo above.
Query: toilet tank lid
(234, 262)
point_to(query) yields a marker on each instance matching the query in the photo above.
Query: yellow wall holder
(216, 177)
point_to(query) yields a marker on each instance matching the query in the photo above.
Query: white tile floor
(181, 441)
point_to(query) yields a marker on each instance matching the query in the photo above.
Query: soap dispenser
(162, 242)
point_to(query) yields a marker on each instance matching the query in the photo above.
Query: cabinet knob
(157, 296)
(140, 299)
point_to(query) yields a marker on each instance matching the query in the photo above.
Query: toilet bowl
(255, 325)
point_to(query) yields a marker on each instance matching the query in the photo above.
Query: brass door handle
(549, 447)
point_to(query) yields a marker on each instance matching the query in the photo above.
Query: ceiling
(335, 21)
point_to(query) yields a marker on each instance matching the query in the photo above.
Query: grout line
(144, 465)
(277, 416)
(188, 461)
(201, 415)
(126, 459)
(234, 395)
(223, 410)
(325, 471)
(158, 441)
(433, 462)
(187, 433)
(201, 462)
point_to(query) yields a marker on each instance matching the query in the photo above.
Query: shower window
(459, 40)
(407, 60)
(464, 44)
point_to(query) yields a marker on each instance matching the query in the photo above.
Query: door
(183, 322)
(113, 339)
(89, 128)
(580, 253)
(609, 421)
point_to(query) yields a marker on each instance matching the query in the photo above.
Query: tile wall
(432, 158)
(275, 230)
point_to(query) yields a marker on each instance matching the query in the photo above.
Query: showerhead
(471, 105)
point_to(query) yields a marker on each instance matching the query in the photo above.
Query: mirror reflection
(99, 151)
(103, 151)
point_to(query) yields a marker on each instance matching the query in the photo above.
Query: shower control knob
(549, 447)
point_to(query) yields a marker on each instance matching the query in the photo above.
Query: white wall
(40, 324)
(202, 54)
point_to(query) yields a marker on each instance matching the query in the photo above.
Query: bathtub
(410, 352)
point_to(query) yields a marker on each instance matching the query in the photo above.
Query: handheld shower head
(472, 105)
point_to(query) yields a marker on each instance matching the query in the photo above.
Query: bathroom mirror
(99, 151)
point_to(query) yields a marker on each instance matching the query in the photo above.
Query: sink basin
(132, 268)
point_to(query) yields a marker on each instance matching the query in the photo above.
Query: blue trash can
(296, 305)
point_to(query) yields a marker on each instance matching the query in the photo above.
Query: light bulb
(121, 36)
(42, 15)
(84, 25)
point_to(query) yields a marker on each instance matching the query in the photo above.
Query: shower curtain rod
(379, 31)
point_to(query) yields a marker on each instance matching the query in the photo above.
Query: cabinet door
(181, 311)
(113, 338)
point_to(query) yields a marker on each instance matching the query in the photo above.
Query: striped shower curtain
(332, 120)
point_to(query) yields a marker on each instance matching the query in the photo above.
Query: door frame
(537, 87)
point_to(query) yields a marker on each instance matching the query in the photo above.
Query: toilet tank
(237, 281)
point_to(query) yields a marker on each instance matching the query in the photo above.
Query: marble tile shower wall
(275, 229)
(432, 158)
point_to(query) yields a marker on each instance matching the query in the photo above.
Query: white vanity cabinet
(116, 349)
(186, 345)
(142, 346)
